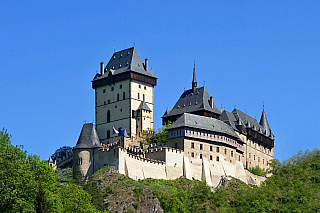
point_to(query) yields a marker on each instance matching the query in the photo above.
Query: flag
(121, 132)
(114, 131)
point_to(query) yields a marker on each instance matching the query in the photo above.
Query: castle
(204, 142)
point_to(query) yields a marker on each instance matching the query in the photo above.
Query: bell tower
(124, 96)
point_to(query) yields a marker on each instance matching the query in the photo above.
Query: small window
(192, 145)
(200, 156)
(254, 157)
(144, 97)
(262, 161)
(145, 88)
(108, 134)
(225, 151)
(108, 116)
(120, 86)
(112, 88)
(258, 159)
(80, 161)
(249, 155)
(210, 148)
(118, 97)
(104, 102)
(139, 96)
(124, 95)
(104, 91)
(192, 154)
(139, 86)
(201, 146)
(210, 157)
(217, 158)
(109, 101)
(217, 149)
(239, 157)
(231, 153)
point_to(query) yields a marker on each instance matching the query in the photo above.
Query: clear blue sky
(246, 53)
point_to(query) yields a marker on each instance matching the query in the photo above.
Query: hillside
(293, 187)
(30, 185)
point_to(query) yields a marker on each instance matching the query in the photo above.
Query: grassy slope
(293, 187)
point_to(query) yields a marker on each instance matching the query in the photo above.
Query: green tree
(17, 183)
(75, 199)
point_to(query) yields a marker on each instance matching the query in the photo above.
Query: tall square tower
(124, 95)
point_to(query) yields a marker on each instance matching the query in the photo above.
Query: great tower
(124, 98)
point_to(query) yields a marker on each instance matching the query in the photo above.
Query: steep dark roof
(250, 122)
(202, 122)
(88, 137)
(50, 160)
(192, 101)
(144, 106)
(124, 61)
(228, 118)
(264, 122)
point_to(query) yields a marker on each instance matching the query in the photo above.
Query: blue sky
(246, 53)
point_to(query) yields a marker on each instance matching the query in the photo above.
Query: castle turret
(264, 123)
(83, 152)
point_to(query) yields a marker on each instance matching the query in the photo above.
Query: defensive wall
(161, 162)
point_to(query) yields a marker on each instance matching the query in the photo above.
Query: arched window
(108, 116)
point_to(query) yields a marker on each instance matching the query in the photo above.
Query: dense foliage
(257, 170)
(293, 187)
(151, 136)
(28, 184)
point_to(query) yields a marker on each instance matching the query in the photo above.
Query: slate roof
(228, 118)
(264, 122)
(192, 101)
(202, 122)
(50, 160)
(144, 106)
(88, 137)
(250, 122)
(124, 61)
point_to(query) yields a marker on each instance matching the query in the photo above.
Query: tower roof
(264, 122)
(88, 137)
(193, 101)
(194, 80)
(125, 61)
(50, 160)
(144, 106)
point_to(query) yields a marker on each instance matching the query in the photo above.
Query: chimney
(146, 64)
(211, 101)
(102, 68)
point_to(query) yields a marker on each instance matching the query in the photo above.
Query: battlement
(109, 146)
(138, 157)
(67, 159)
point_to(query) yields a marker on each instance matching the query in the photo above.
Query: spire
(264, 122)
(194, 80)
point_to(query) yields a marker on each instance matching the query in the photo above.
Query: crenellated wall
(159, 162)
